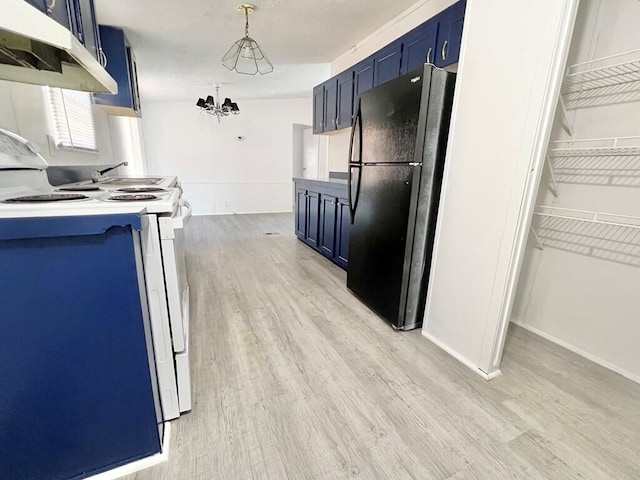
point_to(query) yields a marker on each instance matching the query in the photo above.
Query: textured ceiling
(179, 44)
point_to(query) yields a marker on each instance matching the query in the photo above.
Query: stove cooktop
(124, 181)
(48, 197)
(133, 198)
(80, 188)
(141, 189)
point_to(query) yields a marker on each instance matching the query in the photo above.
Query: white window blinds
(72, 119)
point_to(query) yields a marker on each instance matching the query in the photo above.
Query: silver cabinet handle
(429, 55)
(444, 50)
(102, 58)
(51, 7)
(337, 121)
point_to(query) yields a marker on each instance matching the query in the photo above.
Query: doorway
(306, 152)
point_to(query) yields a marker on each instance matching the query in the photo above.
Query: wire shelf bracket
(568, 126)
(537, 238)
(555, 190)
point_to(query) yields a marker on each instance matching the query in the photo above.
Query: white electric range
(26, 192)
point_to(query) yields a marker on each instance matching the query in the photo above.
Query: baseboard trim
(465, 361)
(578, 351)
(141, 464)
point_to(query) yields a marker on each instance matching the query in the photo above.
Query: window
(72, 119)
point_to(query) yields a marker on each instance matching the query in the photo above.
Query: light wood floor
(296, 379)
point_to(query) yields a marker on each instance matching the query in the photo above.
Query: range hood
(36, 49)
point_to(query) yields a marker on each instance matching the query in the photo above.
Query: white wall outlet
(227, 203)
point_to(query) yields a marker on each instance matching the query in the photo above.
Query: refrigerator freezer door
(390, 115)
(378, 237)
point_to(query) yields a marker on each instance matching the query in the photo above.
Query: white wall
(420, 12)
(582, 300)
(502, 114)
(221, 174)
(23, 110)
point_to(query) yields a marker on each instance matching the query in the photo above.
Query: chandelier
(245, 56)
(216, 108)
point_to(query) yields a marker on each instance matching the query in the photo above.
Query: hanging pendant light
(218, 109)
(245, 56)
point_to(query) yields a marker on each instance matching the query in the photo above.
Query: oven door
(175, 274)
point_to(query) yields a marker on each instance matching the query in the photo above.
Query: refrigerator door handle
(356, 126)
(353, 199)
(356, 130)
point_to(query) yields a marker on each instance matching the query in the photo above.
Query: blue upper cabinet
(121, 65)
(318, 109)
(387, 63)
(362, 79)
(78, 16)
(86, 26)
(56, 9)
(345, 100)
(330, 105)
(419, 46)
(437, 41)
(450, 34)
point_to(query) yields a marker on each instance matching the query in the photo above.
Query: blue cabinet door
(345, 99)
(318, 109)
(121, 66)
(59, 10)
(343, 222)
(79, 389)
(301, 213)
(330, 105)
(312, 219)
(362, 79)
(450, 34)
(327, 236)
(419, 46)
(387, 63)
(86, 26)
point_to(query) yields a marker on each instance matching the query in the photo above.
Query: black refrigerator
(396, 162)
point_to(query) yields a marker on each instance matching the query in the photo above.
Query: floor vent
(272, 233)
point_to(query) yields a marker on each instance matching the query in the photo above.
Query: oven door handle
(181, 220)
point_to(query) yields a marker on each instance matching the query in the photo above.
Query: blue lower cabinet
(322, 218)
(328, 213)
(78, 389)
(313, 219)
(343, 223)
(301, 213)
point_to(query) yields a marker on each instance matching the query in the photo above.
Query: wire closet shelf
(607, 236)
(602, 81)
(596, 147)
